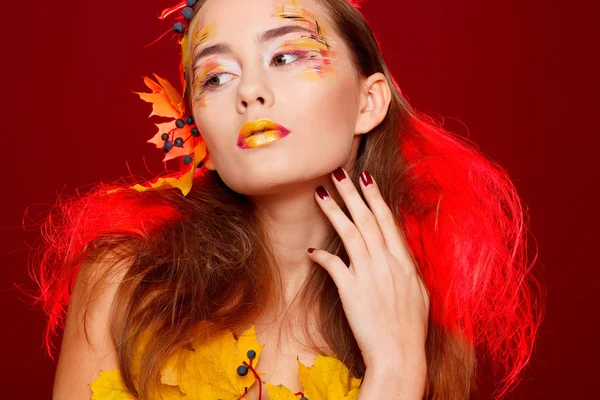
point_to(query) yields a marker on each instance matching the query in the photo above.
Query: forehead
(227, 17)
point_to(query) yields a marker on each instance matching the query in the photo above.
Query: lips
(259, 133)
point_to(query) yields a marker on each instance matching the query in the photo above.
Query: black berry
(242, 370)
(189, 120)
(187, 13)
(195, 132)
(179, 123)
(251, 354)
(178, 27)
(191, 3)
(187, 159)
(164, 136)
(167, 146)
(178, 142)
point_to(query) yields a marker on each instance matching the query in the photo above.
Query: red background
(517, 77)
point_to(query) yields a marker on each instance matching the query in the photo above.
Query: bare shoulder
(87, 344)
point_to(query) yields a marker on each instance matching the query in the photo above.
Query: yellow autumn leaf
(110, 386)
(168, 373)
(181, 181)
(280, 392)
(171, 393)
(210, 371)
(327, 379)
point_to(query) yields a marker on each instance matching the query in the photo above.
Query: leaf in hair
(165, 100)
(182, 181)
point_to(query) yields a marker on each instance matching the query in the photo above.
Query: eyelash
(299, 53)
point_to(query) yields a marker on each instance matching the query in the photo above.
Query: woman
(416, 267)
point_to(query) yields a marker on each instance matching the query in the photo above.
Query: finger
(363, 218)
(394, 239)
(334, 265)
(351, 237)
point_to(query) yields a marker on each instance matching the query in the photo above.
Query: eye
(284, 58)
(212, 81)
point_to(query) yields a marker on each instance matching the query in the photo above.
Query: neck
(294, 222)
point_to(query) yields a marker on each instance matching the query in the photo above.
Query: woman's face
(274, 59)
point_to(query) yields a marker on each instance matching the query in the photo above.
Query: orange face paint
(200, 36)
(190, 42)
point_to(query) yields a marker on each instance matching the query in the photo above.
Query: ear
(375, 97)
(208, 162)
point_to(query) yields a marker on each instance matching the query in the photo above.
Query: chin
(270, 180)
(260, 186)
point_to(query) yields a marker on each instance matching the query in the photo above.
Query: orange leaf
(166, 102)
(164, 127)
(188, 143)
(172, 94)
(182, 181)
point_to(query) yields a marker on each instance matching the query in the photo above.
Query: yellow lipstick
(259, 133)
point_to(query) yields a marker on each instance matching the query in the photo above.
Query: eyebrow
(223, 48)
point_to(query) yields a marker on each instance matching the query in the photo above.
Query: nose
(253, 91)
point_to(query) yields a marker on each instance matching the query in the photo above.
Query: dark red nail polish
(311, 249)
(339, 174)
(366, 178)
(322, 193)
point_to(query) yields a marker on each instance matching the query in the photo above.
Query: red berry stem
(251, 368)
(243, 394)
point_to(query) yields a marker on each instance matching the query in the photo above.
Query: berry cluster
(187, 13)
(170, 139)
(243, 369)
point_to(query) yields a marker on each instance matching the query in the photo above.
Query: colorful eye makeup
(309, 54)
(200, 35)
(190, 42)
(318, 43)
(210, 75)
(315, 62)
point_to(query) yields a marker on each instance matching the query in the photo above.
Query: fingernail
(311, 249)
(366, 178)
(322, 193)
(339, 174)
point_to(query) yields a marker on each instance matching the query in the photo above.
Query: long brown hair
(201, 264)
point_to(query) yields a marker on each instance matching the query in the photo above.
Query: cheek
(214, 126)
(328, 108)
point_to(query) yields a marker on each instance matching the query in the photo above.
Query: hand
(385, 301)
